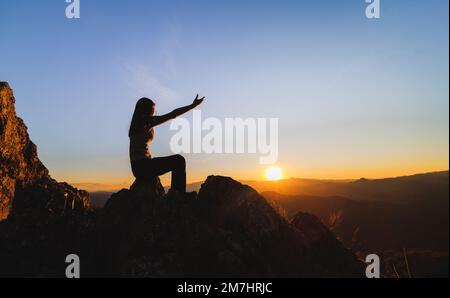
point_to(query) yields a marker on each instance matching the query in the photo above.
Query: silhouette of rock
(25, 182)
(229, 230)
(321, 242)
(41, 220)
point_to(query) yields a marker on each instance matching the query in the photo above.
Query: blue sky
(354, 97)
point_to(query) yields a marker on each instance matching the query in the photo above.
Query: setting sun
(274, 174)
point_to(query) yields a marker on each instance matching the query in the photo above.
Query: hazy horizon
(99, 187)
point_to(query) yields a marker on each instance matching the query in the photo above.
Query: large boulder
(229, 230)
(339, 263)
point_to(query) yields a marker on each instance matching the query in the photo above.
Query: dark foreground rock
(228, 231)
(40, 218)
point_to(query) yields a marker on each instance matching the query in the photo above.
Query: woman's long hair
(141, 112)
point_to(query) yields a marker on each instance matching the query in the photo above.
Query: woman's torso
(139, 145)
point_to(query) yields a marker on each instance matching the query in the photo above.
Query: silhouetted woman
(141, 135)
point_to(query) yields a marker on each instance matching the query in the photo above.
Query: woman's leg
(175, 163)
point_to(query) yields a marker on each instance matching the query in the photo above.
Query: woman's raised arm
(157, 120)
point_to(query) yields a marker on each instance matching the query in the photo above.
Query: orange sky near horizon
(113, 183)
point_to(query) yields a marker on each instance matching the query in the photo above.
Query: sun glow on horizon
(274, 174)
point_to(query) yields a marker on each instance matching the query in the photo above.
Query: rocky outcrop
(228, 231)
(23, 176)
(322, 242)
(41, 220)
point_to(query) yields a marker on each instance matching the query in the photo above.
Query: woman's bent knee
(180, 159)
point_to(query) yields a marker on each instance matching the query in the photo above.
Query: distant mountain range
(385, 216)
(427, 186)
(399, 189)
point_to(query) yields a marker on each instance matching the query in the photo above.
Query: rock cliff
(25, 181)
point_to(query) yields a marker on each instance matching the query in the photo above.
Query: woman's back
(139, 145)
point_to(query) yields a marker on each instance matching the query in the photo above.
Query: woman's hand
(157, 120)
(197, 101)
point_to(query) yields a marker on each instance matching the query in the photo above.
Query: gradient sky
(354, 97)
